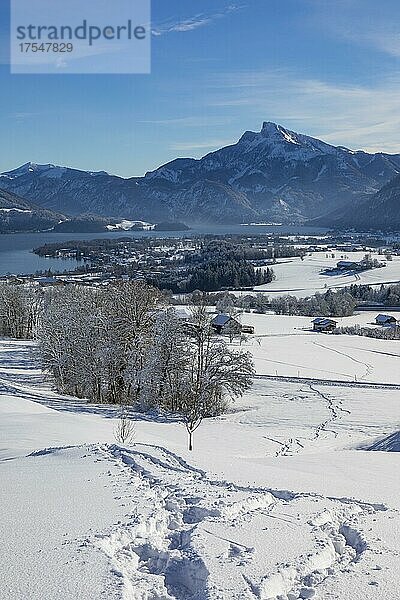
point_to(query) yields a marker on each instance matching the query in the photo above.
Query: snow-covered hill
(17, 214)
(302, 278)
(380, 211)
(276, 502)
(274, 174)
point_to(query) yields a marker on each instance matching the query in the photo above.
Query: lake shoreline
(16, 255)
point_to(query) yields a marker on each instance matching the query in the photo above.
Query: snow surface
(286, 346)
(278, 500)
(127, 225)
(305, 278)
(19, 210)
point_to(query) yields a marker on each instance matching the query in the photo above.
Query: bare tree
(121, 345)
(214, 374)
(20, 310)
(93, 341)
(125, 430)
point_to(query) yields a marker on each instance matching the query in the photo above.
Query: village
(168, 261)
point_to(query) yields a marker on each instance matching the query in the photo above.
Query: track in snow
(331, 382)
(188, 538)
(292, 446)
(368, 367)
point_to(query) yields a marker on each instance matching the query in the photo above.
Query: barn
(322, 324)
(385, 320)
(226, 324)
(348, 265)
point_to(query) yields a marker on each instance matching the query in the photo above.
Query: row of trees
(389, 295)
(125, 345)
(329, 304)
(20, 310)
(380, 333)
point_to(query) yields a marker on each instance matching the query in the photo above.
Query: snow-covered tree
(122, 345)
(163, 383)
(191, 372)
(93, 340)
(20, 310)
(214, 373)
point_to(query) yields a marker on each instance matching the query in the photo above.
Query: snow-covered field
(279, 500)
(305, 278)
(287, 347)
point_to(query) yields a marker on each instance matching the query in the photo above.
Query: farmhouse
(385, 320)
(348, 265)
(322, 324)
(226, 324)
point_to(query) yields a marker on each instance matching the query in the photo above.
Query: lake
(16, 249)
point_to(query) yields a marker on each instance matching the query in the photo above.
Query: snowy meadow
(290, 492)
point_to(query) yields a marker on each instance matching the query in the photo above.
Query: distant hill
(82, 224)
(17, 215)
(271, 175)
(379, 211)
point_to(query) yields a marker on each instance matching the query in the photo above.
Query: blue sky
(328, 68)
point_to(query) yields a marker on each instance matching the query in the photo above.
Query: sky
(327, 68)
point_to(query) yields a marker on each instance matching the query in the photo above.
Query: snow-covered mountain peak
(271, 135)
(31, 167)
(273, 140)
(279, 133)
(47, 170)
(271, 174)
(281, 141)
(268, 127)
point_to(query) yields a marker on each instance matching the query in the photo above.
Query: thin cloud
(381, 39)
(357, 116)
(362, 22)
(194, 121)
(205, 145)
(23, 116)
(193, 22)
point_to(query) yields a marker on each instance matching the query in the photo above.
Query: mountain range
(273, 175)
